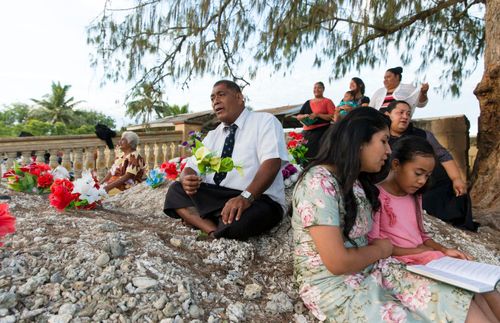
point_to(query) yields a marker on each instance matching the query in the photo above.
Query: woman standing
(341, 277)
(357, 86)
(315, 115)
(394, 90)
(446, 198)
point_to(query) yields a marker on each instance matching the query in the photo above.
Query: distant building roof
(207, 118)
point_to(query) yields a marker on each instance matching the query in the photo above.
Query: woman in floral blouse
(128, 168)
(342, 278)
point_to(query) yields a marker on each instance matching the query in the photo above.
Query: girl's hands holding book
(454, 253)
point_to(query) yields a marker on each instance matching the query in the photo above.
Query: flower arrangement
(297, 148)
(33, 178)
(84, 193)
(156, 177)
(208, 162)
(291, 174)
(7, 222)
(192, 137)
(168, 170)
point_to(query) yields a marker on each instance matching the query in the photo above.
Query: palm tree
(55, 106)
(147, 100)
(173, 110)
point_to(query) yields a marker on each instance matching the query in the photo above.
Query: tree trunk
(486, 173)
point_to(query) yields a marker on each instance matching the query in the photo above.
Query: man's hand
(190, 184)
(234, 208)
(459, 186)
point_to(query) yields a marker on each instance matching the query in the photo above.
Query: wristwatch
(247, 196)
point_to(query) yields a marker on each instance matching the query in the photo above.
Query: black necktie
(227, 151)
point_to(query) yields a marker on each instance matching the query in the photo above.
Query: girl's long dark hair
(341, 148)
(405, 150)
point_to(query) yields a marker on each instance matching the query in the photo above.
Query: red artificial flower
(9, 173)
(171, 170)
(292, 144)
(61, 195)
(164, 165)
(45, 180)
(7, 221)
(296, 136)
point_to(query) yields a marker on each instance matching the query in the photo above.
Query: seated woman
(341, 277)
(446, 198)
(395, 90)
(128, 168)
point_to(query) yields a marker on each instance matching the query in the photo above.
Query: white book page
(455, 280)
(486, 273)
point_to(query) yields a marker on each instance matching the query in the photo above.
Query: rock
(170, 310)
(144, 282)
(175, 242)
(8, 319)
(31, 314)
(102, 260)
(116, 248)
(235, 312)
(252, 291)
(67, 309)
(279, 303)
(159, 304)
(7, 300)
(195, 312)
(56, 278)
(60, 318)
(4, 312)
(65, 240)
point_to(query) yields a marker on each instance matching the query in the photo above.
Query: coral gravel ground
(128, 262)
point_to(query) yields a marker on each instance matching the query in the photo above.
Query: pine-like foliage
(179, 39)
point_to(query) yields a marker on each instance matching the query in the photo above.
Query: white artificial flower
(60, 172)
(85, 186)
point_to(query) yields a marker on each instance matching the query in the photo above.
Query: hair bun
(396, 70)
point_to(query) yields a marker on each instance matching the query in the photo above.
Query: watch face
(246, 194)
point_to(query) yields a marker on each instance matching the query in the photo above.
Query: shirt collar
(240, 121)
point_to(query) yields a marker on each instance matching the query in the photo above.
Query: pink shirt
(396, 220)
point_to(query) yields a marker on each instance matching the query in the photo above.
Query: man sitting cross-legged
(230, 205)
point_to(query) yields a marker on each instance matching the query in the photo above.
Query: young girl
(399, 218)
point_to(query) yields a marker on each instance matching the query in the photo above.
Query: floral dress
(382, 292)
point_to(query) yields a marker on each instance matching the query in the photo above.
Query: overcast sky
(45, 41)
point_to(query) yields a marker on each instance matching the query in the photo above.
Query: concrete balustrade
(88, 152)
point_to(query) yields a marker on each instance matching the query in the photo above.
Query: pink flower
(306, 213)
(393, 313)
(416, 300)
(314, 261)
(354, 281)
(310, 296)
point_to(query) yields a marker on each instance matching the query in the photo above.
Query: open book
(474, 276)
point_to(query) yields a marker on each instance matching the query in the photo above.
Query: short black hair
(320, 83)
(229, 84)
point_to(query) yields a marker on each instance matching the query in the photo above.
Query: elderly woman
(357, 87)
(446, 197)
(394, 90)
(315, 115)
(128, 168)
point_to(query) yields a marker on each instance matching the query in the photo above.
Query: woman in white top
(394, 90)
